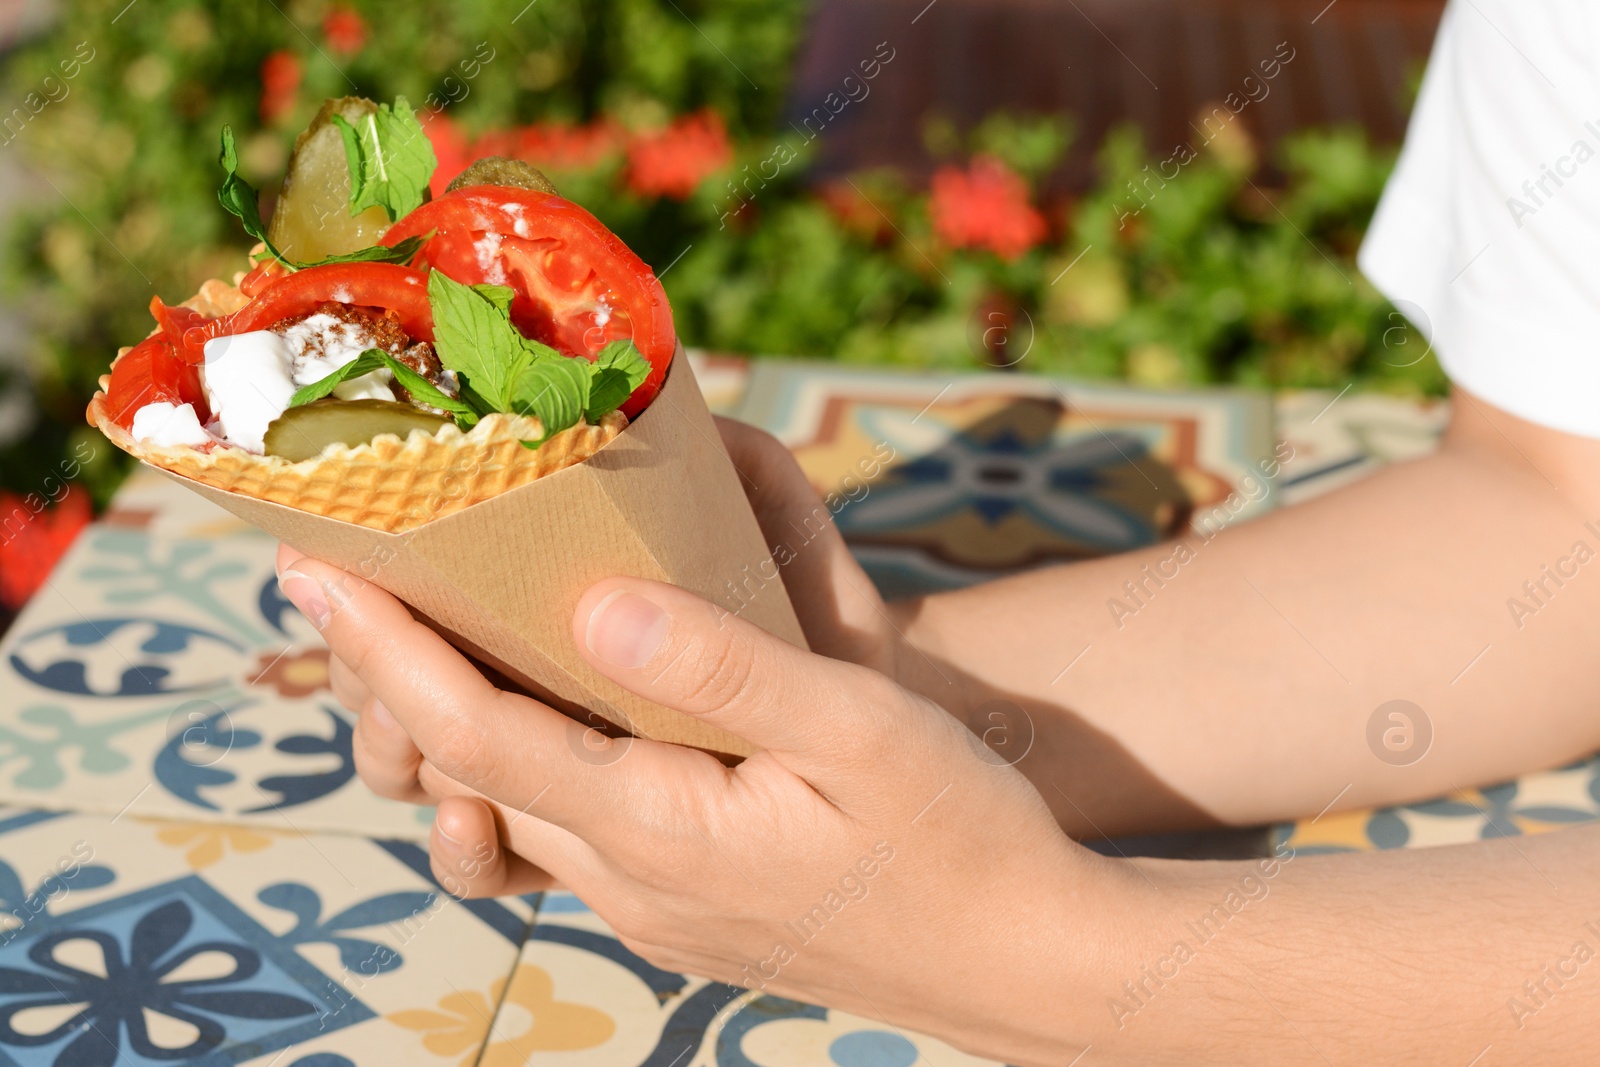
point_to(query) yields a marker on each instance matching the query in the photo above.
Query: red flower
(280, 82)
(449, 148)
(33, 538)
(855, 211)
(984, 206)
(674, 161)
(344, 30)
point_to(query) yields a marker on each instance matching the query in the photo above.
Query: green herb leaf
(618, 370)
(474, 337)
(239, 198)
(415, 384)
(422, 389)
(555, 390)
(402, 253)
(470, 395)
(501, 370)
(365, 363)
(390, 159)
(498, 295)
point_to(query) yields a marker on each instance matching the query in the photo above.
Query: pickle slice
(303, 432)
(497, 170)
(312, 219)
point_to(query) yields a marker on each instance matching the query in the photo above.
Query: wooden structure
(1158, 63)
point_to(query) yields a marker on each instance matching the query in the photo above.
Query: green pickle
(312, 218)
(303, 432)
(496, 170)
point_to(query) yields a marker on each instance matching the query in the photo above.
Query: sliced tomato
(261, 275)
(385, 286)
(577, 286)
(187, 329)
(149, 373)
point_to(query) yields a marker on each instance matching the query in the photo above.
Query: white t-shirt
(1488, 234)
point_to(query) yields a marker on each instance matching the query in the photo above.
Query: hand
(839, 608)
(873, 855)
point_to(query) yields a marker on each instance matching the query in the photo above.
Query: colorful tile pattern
(1533, 804)
(161, 672)
(579, 992)
(125, 942)
(1339, 438)
(722, 379)
(942, 481)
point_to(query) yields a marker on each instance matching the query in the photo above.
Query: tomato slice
(577, 286)
(149, 373)
(187, 329)
(261, 275)
(388, 286)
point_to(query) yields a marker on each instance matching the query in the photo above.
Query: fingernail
(625, 629)
(305, 593)
(439, 826)
(382, 716)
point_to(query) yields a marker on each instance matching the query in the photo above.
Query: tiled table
(193, 872)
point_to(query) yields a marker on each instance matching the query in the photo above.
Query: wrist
(1080, 931)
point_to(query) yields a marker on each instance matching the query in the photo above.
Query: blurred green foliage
(1164, 274)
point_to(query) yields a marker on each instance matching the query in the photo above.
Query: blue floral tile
(1536, 803)
(939, 481)
(161, 672)
(118, 947)
(579, 998)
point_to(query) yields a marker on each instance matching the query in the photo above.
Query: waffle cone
(388, 484)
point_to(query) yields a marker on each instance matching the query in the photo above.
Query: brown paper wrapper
(500, 579)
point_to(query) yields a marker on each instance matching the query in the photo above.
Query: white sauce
(602, 312)
(248, 384)
(250, 377)
(165, 425)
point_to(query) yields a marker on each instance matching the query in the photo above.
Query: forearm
(1238, 684)
(1432, 956)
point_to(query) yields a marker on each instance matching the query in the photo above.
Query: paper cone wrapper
(501, 579)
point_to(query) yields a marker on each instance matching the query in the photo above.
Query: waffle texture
(387, 484)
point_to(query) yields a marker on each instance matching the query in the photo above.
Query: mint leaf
(617, 371)
(473, 399)
(365, 363)
(555, 390)
(402, 253)
(415, 384)
(498, 295)
(474, 337)
(422, 389)
(501, 370)
(238, 197)
(390, 159)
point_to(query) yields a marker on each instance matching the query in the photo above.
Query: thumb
(822, 718)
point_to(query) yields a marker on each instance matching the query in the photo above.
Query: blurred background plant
(1222, 267)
